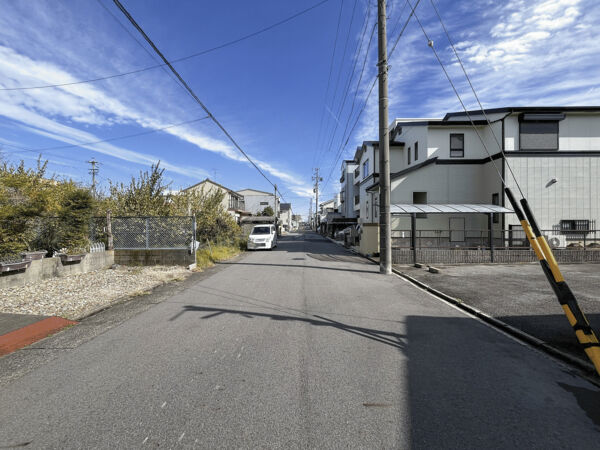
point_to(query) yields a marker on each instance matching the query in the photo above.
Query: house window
(420, 198)
(495, 201)
(367, 209)
(538, 135)
(416, 151)
(408, 156)
(264, 203)
(366, 169)
(457, 145)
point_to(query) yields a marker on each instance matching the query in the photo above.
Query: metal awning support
(491, 236)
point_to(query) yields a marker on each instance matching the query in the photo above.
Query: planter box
(71, 258)
(33, 256)
(11, 267)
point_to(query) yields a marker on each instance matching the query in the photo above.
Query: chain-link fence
(155, 233)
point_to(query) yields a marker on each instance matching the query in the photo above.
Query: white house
(553, 152)
(256, 201)
(285, 216)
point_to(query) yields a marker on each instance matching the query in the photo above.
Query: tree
(147, 195)
(268, 211)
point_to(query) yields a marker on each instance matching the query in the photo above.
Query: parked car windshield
(261, 230)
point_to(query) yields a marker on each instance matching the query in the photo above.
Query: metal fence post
(413, 236)
(491, 237)
(147, 233)
(109, 235)
(194, 237)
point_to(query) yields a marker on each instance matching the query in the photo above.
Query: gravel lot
(75, 296)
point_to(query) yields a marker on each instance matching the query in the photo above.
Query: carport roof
(448, 209)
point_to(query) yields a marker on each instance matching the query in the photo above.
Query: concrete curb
(581, 364)
(586, 368)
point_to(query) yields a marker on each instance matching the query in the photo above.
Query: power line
(187, 87)
(343, 146)
(184, 58)
(476, 96)
(337, 30)
(81, 144)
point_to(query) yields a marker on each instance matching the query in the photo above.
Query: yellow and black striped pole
(566, 298)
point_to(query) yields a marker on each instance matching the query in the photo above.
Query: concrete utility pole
(385, 234)
(317, 179)
(93, 171)
(275, 210)
(310, 213)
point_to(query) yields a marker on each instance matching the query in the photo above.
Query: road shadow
(384, 337)
(298, 266)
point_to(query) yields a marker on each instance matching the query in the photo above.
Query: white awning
(448, 209)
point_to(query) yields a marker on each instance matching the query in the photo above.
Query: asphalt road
(306, 346)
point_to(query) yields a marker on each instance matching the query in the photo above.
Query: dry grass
(207, 257)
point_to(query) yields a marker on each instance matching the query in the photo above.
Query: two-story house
(232, 201)
(256, 201)
(553, 153)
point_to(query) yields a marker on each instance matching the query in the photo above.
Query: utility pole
(275, 211)
(317, 179)
(385, 235)
(93, 171)
(310, 213)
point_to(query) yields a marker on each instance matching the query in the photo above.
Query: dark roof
(532, 109)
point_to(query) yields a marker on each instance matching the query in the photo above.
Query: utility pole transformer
(93, 171)
(385, 235)
(317, 179)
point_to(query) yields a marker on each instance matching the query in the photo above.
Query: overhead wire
(430, 44)
(189, 89)
(83, 144)
(331, 64)
(337, 83)
(347, 88)
(176, 60)
(476, 96)
(344, 143)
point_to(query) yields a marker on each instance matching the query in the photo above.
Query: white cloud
(60, 113)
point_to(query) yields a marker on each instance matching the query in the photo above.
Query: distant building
(285, 216)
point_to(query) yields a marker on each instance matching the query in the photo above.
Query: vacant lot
(521, 296)
(75, 296)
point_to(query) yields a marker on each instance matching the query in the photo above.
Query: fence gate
(153, 233)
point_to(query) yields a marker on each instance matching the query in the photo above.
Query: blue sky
(269, 91)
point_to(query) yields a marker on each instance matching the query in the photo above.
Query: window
(420, 198)
(264, 203)
(574, 226)
(495, 201)
(366, 169)
(416, 151)
(408, 154)
(538, 135)
(457, 145)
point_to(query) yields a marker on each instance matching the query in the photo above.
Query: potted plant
(33, 256)
(71, 255)
(12, 264)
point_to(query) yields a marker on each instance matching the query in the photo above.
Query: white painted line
(181, 437)
(163, 405)
(145, 440)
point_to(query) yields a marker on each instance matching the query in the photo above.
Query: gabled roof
(255, 191)
(208, 180)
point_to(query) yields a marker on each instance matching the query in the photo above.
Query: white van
(262, 236)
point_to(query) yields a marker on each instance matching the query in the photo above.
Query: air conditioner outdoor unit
(556, 240)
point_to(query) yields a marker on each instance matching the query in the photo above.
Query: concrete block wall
(46, 268)
(179, 257)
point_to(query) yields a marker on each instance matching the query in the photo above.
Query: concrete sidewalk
(520, 295)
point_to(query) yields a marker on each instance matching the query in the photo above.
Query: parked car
(262, 236)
